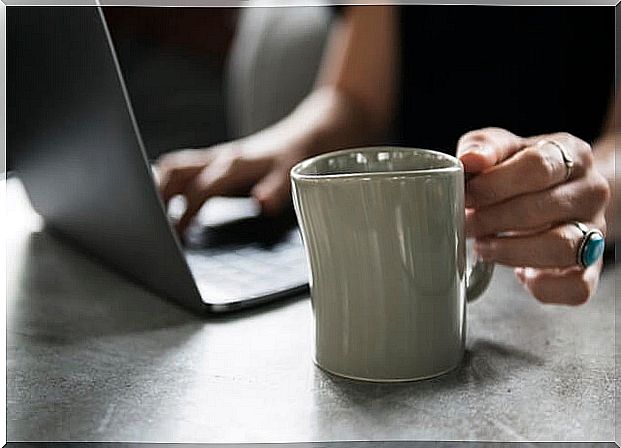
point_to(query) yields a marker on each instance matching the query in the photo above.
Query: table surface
(93, 357)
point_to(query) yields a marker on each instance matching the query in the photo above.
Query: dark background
(173, 63)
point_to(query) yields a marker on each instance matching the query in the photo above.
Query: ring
(591, 246)
(567, 159)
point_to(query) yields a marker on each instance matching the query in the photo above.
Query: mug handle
(480, 273)
(478, 279)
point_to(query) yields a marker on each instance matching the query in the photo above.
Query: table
(91, 356)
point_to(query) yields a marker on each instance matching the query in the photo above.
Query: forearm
(604, 151)
(328, 119)
(346, 108)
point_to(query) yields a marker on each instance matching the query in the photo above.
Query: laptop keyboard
(234, 264)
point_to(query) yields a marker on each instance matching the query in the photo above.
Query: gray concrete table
(91, 356)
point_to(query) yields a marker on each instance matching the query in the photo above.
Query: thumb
(481, 149)
(273, 191)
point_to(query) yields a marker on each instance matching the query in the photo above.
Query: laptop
(77, 149)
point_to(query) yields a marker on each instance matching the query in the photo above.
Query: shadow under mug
(383, 230)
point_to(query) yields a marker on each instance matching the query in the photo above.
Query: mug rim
(296, 173)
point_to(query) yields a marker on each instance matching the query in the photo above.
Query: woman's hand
(256, 166)
(259, 165)
(520, 206)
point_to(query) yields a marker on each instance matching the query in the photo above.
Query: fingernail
(519, 273)
(471, 148)
(483, 150)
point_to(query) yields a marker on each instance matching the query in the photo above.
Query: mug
(383, 230)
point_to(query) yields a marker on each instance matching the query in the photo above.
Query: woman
(438, 77)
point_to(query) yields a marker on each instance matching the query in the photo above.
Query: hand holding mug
(384, 234)
(537, 204)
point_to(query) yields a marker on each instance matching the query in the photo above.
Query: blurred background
(200, 76)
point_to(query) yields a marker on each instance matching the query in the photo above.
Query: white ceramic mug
(383, 230)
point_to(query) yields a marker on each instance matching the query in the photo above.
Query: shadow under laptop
(91, 342)
(63, 295)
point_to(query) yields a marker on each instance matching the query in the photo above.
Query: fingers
(273, 191)
(484, 148)
(230, 174)
(202, 187)
(573, 286)
(575, 201)
(534, 168)
(519, 204)
(177, 169)
(554, 248)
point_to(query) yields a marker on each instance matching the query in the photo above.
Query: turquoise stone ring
(591, 247)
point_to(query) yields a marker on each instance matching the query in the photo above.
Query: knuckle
(165, 162)
(567, 243)
(595, 195)
(494, 129)
(234, 162)
(484, 134)
(600, 191)
(540, 164)
(585, 148)
(587, 160)
(490, 136)
(531, 159)
(200, 182)
(563, 136)
(495, 132)
(585, 154)
(601, 224)
(504, 137)
(581, 148)
(472, 137)
(476, 134)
